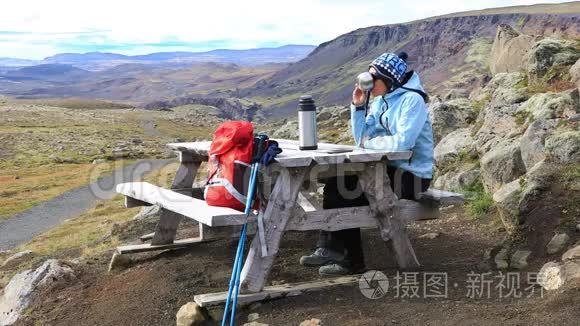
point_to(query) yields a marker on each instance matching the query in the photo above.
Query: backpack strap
(418, 91)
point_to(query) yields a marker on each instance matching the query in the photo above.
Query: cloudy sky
(34, 29)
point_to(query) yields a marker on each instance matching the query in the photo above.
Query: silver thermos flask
(307, 123)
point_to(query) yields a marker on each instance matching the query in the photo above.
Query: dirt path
(153, 288)
(22, 227)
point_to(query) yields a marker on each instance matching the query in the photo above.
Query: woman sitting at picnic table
(397, 120)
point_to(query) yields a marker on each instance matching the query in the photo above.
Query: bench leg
(168, 222)
(376, 186)
(276, 216)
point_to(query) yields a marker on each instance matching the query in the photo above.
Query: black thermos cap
(306, 103)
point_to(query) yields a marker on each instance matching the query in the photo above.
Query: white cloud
(242, 24)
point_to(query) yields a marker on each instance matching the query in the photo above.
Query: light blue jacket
(408, 127)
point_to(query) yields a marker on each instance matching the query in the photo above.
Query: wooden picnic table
(288, 207)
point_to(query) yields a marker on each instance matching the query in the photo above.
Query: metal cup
(365, 81)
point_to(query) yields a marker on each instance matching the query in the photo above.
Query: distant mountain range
(95, 61)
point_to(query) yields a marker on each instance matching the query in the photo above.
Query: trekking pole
(234, 285)
(237, 264)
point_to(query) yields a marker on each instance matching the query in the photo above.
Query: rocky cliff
(514, 148)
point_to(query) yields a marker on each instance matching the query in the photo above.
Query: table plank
(325, 155)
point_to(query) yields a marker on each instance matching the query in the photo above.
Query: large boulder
(537, 180)
(456, 93)
(497, 121)
(506, 88)
(564, 147)
(508, 50)
(448, 116)
(551, 105)
(450, 147)
(532, 142)
(502, 165)
(459, 179)
(24, 285)
(507, 199)
(496, 125)
(549, 53)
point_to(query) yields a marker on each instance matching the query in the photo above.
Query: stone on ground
(501, 259)
(557, 243)
(520, 259)
(19, 291)
(430, 236)
(311, 322)
(553, 275)
(253, 316)
(550, 276)
(190, 314)
(255, 323)
(572, 254)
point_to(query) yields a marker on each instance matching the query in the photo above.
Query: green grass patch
(478, 105)
(479, 202)
(22, 188)
(479, 51)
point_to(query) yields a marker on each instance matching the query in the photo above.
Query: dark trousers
(345, 191)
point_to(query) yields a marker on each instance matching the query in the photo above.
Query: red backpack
(230, 156)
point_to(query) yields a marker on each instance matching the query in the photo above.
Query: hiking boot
(334, 270)
(321, 256)
(338, 269)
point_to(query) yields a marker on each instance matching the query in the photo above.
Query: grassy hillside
(47, 147)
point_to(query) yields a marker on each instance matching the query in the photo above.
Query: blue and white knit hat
(391, 66)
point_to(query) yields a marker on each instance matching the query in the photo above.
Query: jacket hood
(414, 82)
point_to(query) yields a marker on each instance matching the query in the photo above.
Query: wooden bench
(289, 206)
